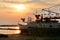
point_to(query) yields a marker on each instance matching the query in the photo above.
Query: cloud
(30, 1)
(15, 1)
(8, 14)
(48, 2)
(51, 2)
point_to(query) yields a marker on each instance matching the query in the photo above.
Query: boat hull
(44, 31)
(23, 28)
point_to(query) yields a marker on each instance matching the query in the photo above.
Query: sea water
(9, 30)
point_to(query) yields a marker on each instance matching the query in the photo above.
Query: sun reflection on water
(3, 31)
(18, 31)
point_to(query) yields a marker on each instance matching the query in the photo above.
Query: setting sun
(19, 7)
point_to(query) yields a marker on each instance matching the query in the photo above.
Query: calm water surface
(7, 30)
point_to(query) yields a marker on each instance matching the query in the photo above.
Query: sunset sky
(11, 11)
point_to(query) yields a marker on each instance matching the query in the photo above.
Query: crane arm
(50, 11)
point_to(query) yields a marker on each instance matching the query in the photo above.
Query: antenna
(57, 14)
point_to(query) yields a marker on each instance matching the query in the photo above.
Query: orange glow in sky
(12, 10)
(19, 7)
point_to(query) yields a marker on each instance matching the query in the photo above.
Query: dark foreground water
(13, 34)
(25, 37)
